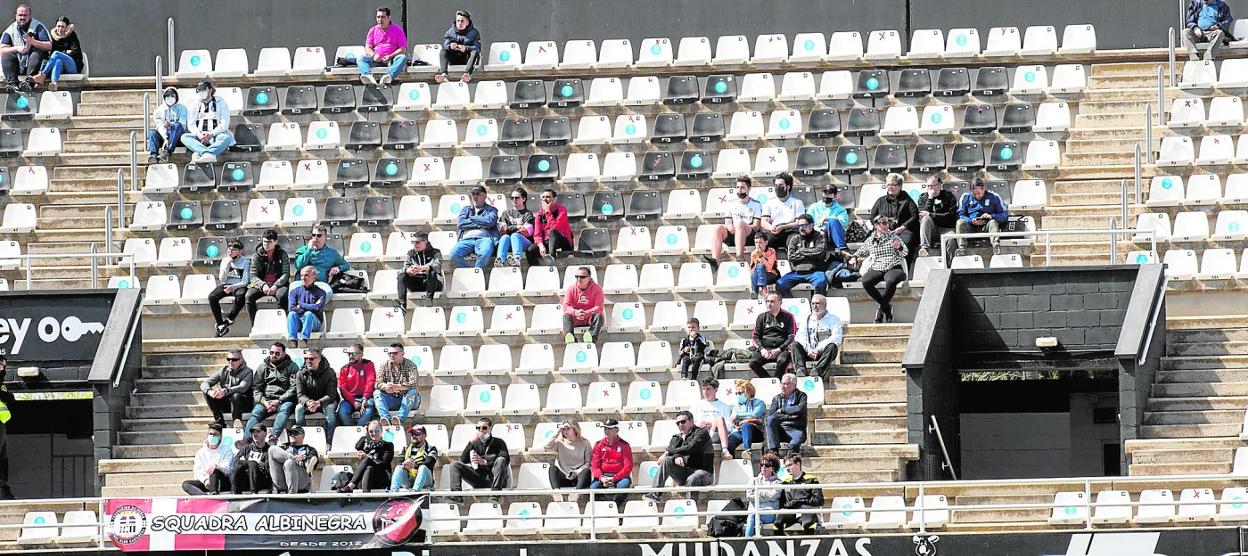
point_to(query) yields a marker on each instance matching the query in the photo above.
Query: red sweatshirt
(589, 300)
(612, 459)
(356, 381)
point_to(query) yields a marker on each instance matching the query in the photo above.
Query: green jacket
(274, 382)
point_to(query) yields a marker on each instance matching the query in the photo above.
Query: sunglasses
(517, 198)
(579, 277)
(275, 353)
(483, 428)
(374, 431)
(313, 358)
(233, 359)
(682, 421)
(771, 465)
(418, 434)
(318, 235)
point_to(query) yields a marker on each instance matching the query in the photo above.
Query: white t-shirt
(745, 212)
(705, 411)
(783, 212)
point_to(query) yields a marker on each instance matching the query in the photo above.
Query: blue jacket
(307, 299)
(969, 207)
(486, 221)
(1225, 21)
(321, 259)
(470, 38)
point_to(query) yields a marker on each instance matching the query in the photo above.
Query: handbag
(857, 232)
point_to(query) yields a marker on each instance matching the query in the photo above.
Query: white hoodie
(222, 457)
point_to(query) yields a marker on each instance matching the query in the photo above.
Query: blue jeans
(517, 243)
(762, 517)
(301, 328)
(258, 414)
(778, 430)
(622, 485)
(301, 413)
(389, 402)
(58, 63)
(343, 414)
(155, 142)
(402, 480)
(759, 277)
(482, 246)
(816, 279)
(743, 436)
(396, 65)
(220, 142)
(835, 232)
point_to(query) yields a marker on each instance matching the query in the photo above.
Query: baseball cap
(258, 427)
(611, 424)
(218, 427)
(295, 430)
(830, 188)
(478, 189)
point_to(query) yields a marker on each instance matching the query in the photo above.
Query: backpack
(348, 283)
(340, 480)
(728, 525)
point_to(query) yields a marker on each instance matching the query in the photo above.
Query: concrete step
(89, 147)
(1161, 469)
(871, 396)
(109, 96)
(157, 450)
(1133, 133)
(1126, 68)
(1211, 322)
(1202, 375)
(1108, 144)
(1113, 119)
(1198, 403)
(846, 424)
(1057, 201)
(875, 356)
(1206, 335)
(884, 436)
(835, 464)
(1098, 158)
(1229, 347)
(1189, 431)
(865, 410)
(867, 369)
(1188, 390)
(112, 108)
(93, 172)
(1123, 81)
(105, 134)
(1077, 187)
(141, 491)
(127, 120)
(1226, 416)
(865, 382)
(986, 516)
(1120, 105)
(1181, 456)
(140, 465)
(1204, 362)
(149, 478)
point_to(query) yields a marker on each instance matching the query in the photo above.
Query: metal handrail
(1148, 132)
(172, 51)
(944, 451)
(1174, 78)
(121, 199)
(134, 161)
(27, 257)
(1048, 234)
(160, 69)
(1139, 177)
(1161, 103)
(147, 113)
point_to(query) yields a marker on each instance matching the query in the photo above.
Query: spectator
(306, 310)
(774, 331)
(385, 44)
(763, 271)
(170, 121)
(270, 274)
(551, 231)
(888, 258)
(739, 227)
(228, 388)
(768, 498)
(819, 338)
(799, 498)
(422, 271)
(1207, 21)
(780, 212)
(23, 48)
(573, 456)
(747, 418)
(898, 205)
(460, 45)
(326, 260)
(786, 416)
(213, 464)
(693, 348)
(272, 389)
(208, 129)
(515, 229)
(398, 389)
(356, 383)
(612, 461)
(980, 210)
(232, 281)
(582, 306)
(251, 463)
(376, 455)
(712, 415)
(485, 462)
(291, 465)
(808, 259)
(937, 210)
(7, 400)
(688, 460)
(66, 55)
(317, 391)
(415, 470)
(478, 231)
(829, 216)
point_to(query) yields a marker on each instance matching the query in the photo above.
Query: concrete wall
(1016, 445)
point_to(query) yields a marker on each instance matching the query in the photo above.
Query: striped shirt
(882, 254)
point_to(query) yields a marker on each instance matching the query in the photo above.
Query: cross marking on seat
(264, 209)
(151, 205)
(427, 167)
(772, 157)
(541, 48)
(749, 310)
(1187, 104)
(1217, 141)
(632, 231)
(389, 314)
(508, 316)
(307, 165)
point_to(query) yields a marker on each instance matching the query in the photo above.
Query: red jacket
(589, 300)
(556, 220)
(612, 459)
(357, 381)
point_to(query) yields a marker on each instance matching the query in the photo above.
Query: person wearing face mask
(747, 419)
(830, 217)
(375, 456)
(169, 123)
(214, 461)
(461, 44)
(780, 212)
(251, 463)
(356, 381)
(208, 133)
(739, 227)
(415, 471)
(768, 498)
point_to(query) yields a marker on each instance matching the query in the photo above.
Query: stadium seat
(1196, 505)
(797, 86)
(835, 85)
(629, 128)
(692, 51)
(564, 398)
(1042, 155)
(883, 45)
(1159, 223)
(1181, 264)
(746, 126)
(1107, 508)
(1030, 80)
(757, 87)
(536, 359)
(486, 518)
(78, 527)
(55, 105)
(847, 512)
(1068, 78)
(845, 46)
(669, 316)
(1231, 505)
(1199, 75)
(900, 121)
(734, 472)
(503, 56)
(887, 512)
(1225, 112)
(194, 64)
(38, 528)
(1165, 191)
(619, 279)
(1069, 508)
(934, 512)
(962, 43)
(735, 50)
(1203, 190)
(927, 44)
(1186, 113)
(29, 180)
(1078, 39)
(427, 322)
(1232, 75)
(1052, 117)
(1232, 225)
(913, 83)
(1039, 40)
(540, 55)
(412, 97)
(1190, 226)
(643, 90)
(506, 319)
(1217, 264)
(522, 399)
(43, 141)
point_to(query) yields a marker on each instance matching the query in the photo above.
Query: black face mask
(782, 192)
(829, 200)
(743, 194)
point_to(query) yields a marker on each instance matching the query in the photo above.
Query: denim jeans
(155, 141)
(778, 430)
(482, 246)
(220, 142)
(258, 414)
(301, 415)
(402, 480)
(763, 517)
(405, 403)
(343, 415)
(744, 436)
(514, 244)
(759, 277)
(58, 63)
(397, 64)
(301, 328)
(622, 485)
(816, 279)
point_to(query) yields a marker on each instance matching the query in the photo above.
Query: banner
(49, 326)
(205, 523)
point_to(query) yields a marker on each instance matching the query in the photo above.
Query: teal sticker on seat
(627, 314)
(366, 246)
(678, 510)
(671, 239)
(654, 471)
(504, 56)
(413, 94)
(733, 271)
(630, 129)
(961, 40)
(195, 60)
(460, 317)
(793, 309)
(808, 385)
(524, 512)
(543, 165)
(418, 361)
(784, 123)
(262, 98)
(1233, 226)
(212, 250)
(656, 49)
(566, 91)
(1141, 258)
(1029, 76)
(581, 356)
(1070, 510)
(123, 283)
(847, 507)
(40, 520)
(851, 157)
(936, 117)
(237, 174)
(645, 394)
(185, 213)
(392, 169)
(808, 45)
(482, 129)
(456, 207)
(1007, 153)
(872, 83)
(721, 87)
(1167, 183)
(696, 161)
(322, 133)
(297, 210)
(485, 396)
(22, 102)
(388, 436)
(608, 208)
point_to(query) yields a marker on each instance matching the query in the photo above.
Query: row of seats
(1189, 113)
(1215, 150)
(77, 527)
(1214, 264)
(1193, 226)
(1204, 75)
(40, 142)
(1155, 506)
(1199, 190)
(50, 105)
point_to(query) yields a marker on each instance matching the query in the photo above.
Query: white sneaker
(207, 158)
(368, 79)
(197, 158)
(386, 79)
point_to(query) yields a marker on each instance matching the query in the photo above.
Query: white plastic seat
(160, 179)
(579, 358)
(635, 519)
(632, 241)
(308, 60)
(1225, 112)
(934, 513)
(962, 43)
(449, 207)
(311, 175)
(275, 175)
(466, 282)
(847, 512)
(835, 85)
(78, 527)
(729, 163)
(231, 62)
(413, 97)
(643, 90)
(283, 136)
(1233, 74)
(1186, 113)
(734, 472)
(262, 213)
(1232, 225)
(1159, 513)
(274, 61)
(744, 313)
(540, 55)
(757, 87)
(365, 247)
(1165, 191)
(1199, 75)
(194, 64)
(581, 168)
(1039, 40)
(1231, 504)
(1042, 155)
(447, 400)
(603, 397)
(1003, 41)
(797, 86)
(1052, 117)
(629, 128)
(1006, 260)
(1029, 195)
(770, 161)
(270, 324)
(643, 396)
(695, 277)
(669, 316)
(809, 47)
(540, 281)
(693, 51)
(427, 322)
(606, 517)
(927, 44)
(440, 133)
(1190, 226)
(143, 249)
(533, 476)
(536, 359)
(769, 49)
(522, 399)
(883, 45)
(163, 290)
(43, 141)
(937, 119)
(465, 320)
(732, 276)
(562, 398)
(505, 282)
(55, 105)
(605, 91)
(887, 512)
(1030, 80)
(654, 355)
(593, 130)
(1217, 264)
(38, 528)
(507, 319)
(503, 56)
(653, 52)
(299, 211)
(427, 170)
(655, 278)
(29, 180)
(745, 126)
(619, 279)
(1203, 190)
(682, 204)
(845, 46)
(1067, 78)
(579, 54)
(453, 95)
(1181, 264)
(1236, 189)
(732, 49)
(900, 120)
(175, 252)
(1069, 508)
(346, 323)
(323, 135)
(482, 399)
(1078, 39)
(1158, 222)
(627, 317)
(1176, 151)
(487, 519)
(1196, 504)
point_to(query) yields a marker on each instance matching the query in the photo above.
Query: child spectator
(693, 348)
(763, 271)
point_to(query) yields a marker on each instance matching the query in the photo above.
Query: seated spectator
(270, 274)
(583, 305)
(232, 281)
(272, 389)
(251, 463)
(830, 217)
(214, 462)
(747, 418)
(780, 212)
(768, 498)
(898, 205)
(485, 462)
(422, 271)
(980, 210)
(693, 348)
(23, 48)
(478, 231)
(612, 462)
(887, 253)
(551, 231)
(573, 455)
(786, 417)
(317, 391)
(326, 260)
(819, 338)
(739, 227)
(228, 389)
(357, 381)
(774, 331)
(712, 415)
(65, 57)
(376, 455)
(208, 131)
(763, 271)
(688, 461)
(799, 498)
(515, 229)
(306, 310)
(168, 125)
(808, 259)
(938, 210)
(397, 387)
(291, 464)
(461, 45)
(415, 469)
(384, 44)
(1207, 21)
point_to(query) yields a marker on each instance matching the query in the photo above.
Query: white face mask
(203, 95)
(170, 101)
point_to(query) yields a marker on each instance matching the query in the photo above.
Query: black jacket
(318, 384)
(429, 257)
(492, 449)
(260, 267)
(943, 209)
(380, 452)
(68, 44)
(808, 252)
(249, 450)
(795, 498)
(901, 207)
(695, 447)
(789, 413)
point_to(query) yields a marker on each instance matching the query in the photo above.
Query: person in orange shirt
(583, 306)
(763, 271)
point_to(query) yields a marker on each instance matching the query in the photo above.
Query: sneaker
(386, 79)
(222, 329)
(163, 156)
(996, 249)
(652, 496)
(711, 261)
(569, 338)
(207, 158)
(465, 78)
(727, 455)
(440, 78)
(747, 455)
(368, 79)
(152, 159)
(923, 251)
(960, 252)
(238, 423)
(587, 338)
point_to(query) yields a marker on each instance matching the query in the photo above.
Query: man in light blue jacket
(208, 132)
(478, 231)
(235, 272)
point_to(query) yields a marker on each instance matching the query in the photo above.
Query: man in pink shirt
(582, 306)
(384, 44)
